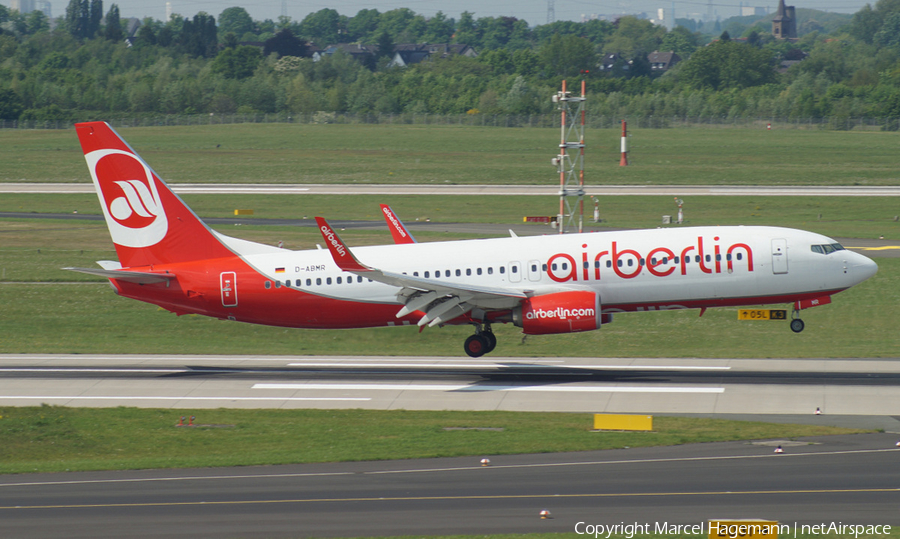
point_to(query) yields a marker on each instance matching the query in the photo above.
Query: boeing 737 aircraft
(543, 284)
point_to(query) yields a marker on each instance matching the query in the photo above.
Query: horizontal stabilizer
(138, 277)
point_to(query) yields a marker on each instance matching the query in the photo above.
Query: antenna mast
(569, 164)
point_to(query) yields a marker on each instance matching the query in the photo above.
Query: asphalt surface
(849, 479)
(848, 392)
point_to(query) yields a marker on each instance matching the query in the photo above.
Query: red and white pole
(624, 161)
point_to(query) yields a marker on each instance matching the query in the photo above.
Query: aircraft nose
(863, 267)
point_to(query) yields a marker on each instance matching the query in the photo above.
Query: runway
(475, 190)
(849, 479)
(846, 390)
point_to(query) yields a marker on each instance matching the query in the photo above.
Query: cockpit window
(826, 248)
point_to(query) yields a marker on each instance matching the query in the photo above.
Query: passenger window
(502, 269)
(318, 281)
(328, 280)
(446, 273)
(268, 284)
(609, 263)
(458, 273)
(490, 271)
(338, 280)
(309, 282)
(468, 271)
(415, 274)
(478, 271)
(515, 269)
(740, 256)
(277, 284)
(427, 275)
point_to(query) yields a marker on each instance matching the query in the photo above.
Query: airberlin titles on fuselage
(628, 263)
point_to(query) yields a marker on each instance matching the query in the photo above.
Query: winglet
(398, 229)
(339, 251)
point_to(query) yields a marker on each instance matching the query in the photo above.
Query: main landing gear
(482, 342)
(797, 325)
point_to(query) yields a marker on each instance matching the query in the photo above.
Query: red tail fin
(149, 224)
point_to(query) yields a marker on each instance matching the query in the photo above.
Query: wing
(440, 301)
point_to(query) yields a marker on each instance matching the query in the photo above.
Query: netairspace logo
(560, 312)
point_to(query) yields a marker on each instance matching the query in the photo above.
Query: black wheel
(797, 325)
(476, 346)
(491, 341)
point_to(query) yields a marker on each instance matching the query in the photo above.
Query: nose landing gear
(482, 342)
(797, 325)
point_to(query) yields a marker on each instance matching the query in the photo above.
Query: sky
(533, 11)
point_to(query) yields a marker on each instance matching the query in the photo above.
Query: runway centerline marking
(490, 387)
(457, 498)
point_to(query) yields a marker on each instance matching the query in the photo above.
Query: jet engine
(560, 312)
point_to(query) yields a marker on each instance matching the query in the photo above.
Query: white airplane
(543, 284)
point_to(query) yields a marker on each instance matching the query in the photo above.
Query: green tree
(466, 32)
(285, 43)
(680, 41)
(889, 33)
(235, 20)
(10, 104)
(36, 21)
(633, 35)
(113, 31)
(321, 27)
(238, 63)
(727, 64)
(364, 25)
(385, 44)
(567, 56)
(439, 29)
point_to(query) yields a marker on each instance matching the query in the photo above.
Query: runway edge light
(743, 528)
(623, 422)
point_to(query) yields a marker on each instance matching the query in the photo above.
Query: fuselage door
(228, 287)
(534, 270)
(779, 256)
(515, 272)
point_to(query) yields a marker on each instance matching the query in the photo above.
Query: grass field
(293, 153)
(53, 439)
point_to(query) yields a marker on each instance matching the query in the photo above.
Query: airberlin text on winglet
(730, 529)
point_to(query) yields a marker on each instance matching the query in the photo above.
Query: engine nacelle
(560, 312)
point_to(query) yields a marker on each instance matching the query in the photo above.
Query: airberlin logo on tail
(332, 239)
(131, 203)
